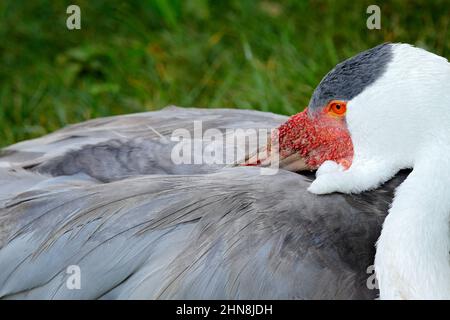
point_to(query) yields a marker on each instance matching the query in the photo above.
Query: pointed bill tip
(265, 158)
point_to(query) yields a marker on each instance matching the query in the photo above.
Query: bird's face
(308, 139)
(320, 132)
(315, 137)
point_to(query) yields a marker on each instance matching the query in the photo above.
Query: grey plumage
(147, 231)
(350, 77)
(114, 147)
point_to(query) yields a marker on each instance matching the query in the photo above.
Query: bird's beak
(269, 156)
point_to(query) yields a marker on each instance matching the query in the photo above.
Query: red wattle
(316, 138)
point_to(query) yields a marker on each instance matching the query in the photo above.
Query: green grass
(144, 55)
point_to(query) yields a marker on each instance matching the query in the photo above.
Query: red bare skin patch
(317, 138)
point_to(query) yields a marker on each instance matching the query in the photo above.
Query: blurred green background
(143, 55)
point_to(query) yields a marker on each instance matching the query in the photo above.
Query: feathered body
(101, 195)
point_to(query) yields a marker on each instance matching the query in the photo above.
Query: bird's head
(321, 132)
(362, 110)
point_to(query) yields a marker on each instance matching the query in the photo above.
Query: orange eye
(337, 107)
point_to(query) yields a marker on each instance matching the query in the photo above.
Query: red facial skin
(317, 138)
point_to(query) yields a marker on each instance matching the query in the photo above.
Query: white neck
(412, 259)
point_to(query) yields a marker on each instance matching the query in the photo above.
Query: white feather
(403, 121)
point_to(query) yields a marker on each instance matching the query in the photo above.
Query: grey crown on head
(350, 77)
